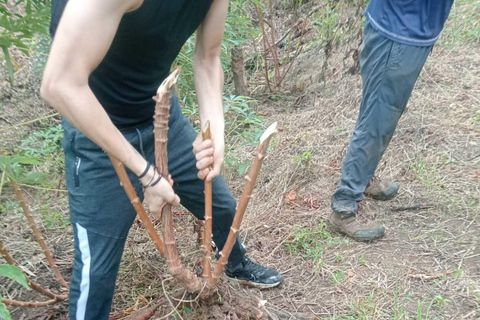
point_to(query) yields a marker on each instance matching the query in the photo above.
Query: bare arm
(208, 74)
(83, 37)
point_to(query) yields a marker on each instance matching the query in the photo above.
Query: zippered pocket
(77, 162)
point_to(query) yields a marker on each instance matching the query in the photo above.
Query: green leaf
(35, 178)
(187, 310)
(18, 159)
(4, 314)
(9, 64)
(13, 273)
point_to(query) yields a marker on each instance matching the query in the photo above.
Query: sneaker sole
(255, 284)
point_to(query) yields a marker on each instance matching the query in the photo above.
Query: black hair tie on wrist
(154, 182)
(144, 173)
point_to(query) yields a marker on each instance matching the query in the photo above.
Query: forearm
(208, 74)
(80, 107)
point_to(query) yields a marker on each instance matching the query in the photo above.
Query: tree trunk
(238, 69)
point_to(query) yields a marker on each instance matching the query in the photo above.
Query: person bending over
(106, 62)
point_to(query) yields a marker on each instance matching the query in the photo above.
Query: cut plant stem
(28, 304)
(162, 113)
(242, 204)
(4, 252)
(207, 230)
(37, 233)
(137, 204)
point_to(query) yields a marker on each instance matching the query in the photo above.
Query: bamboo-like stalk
(137, 204)
(29, 304)
(37, 233)
(35, 286)
(162, 114)
(207, 230)
(242, 204)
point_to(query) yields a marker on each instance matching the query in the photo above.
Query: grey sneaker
(357, 227)
(381, 189)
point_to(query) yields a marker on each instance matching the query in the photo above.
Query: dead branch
(144, 314)
(137, 204)
(273, 48)
(265, 45)
(29, 304)
(37, 233)
(162, 115)
(35, 286)
(242, 204)
(427, 277)
(207, 230)
(419, 206)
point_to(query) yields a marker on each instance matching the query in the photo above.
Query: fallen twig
(419, 206)
(33, 285)
(144, 314)
(29, 304)
(427, 277)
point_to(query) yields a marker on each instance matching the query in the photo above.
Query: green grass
(310, 243)
(463, 24)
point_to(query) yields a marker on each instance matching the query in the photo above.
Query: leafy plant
(16, 29)
(338, 276)
(44, 143)
(303, 158)
(16, 168)
(239, 115)
(16, 275)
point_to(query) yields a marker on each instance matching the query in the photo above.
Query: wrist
(149, 176)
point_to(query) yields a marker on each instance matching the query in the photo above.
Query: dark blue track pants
(102, 214)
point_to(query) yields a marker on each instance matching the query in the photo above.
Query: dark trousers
(102, 214)
(389, 71)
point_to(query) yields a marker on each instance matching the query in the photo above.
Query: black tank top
(146, 44)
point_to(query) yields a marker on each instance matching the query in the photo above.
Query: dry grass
(435, 155)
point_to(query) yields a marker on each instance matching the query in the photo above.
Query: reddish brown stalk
(242, 204)
(162, 114)
(29, 304)
(144, 314)
(37, 233)
(207, 230)
(137, 204)
(33, 285)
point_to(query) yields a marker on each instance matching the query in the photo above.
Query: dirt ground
(426, 267)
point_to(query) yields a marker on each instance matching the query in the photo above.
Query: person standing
(398, 37)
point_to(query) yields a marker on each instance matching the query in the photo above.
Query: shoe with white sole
(254, 275)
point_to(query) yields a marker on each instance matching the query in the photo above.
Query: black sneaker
(255, 275)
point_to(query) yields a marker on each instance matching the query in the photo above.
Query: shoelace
(373, 180)
(251, 266)
(359, 216)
